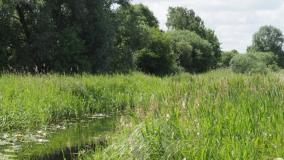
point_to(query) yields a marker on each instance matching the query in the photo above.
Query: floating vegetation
(58, 141)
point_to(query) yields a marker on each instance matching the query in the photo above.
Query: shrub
(254, 62)
(242, 63)
(226, 58)
(269, 39)
(154, 63)
(194, 54)
(156, 57)
(268, 58)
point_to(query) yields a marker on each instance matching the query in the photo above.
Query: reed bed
(217, 115)
(28, 102)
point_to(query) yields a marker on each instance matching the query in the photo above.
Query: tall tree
(145, 15)
(42, 33)
(269, 39)
(131, 34)
(180, 18)
(156, 58)
(194, 54)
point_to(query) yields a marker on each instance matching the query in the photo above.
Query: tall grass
(218, 115)
(28, 102)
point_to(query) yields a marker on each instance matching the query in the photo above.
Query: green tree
(194, 54)
(145, 15)
(15, 32)
(254, 62)
(156, 58)
(37, 33)
(131, 34)
(69, 51)
(180, 18)
(94, 24)
(226, 58)
(212, 38)
(5, 32)
(269, 39)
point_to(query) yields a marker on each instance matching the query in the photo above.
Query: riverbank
(29, 102)
(217, 115)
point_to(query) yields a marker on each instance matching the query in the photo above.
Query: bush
(154, 63)
(242, 63)
(194, 54)
(254, 62)
(156, 58)
(269, 39)
(226, 58)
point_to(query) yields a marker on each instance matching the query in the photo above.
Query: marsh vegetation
(98, 79)
(217, 115)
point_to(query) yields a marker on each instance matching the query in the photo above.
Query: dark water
(67, 140)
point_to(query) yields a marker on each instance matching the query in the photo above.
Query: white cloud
(235, 21)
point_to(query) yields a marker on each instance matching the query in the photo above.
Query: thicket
(217, 115)
(226, 58)
(102, 36)
(97, 36)
(255, 62)
(30, 102)
(264, 55)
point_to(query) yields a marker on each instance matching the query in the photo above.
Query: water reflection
(60, 141)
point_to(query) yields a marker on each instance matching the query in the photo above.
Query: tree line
(264, 55)
(105, 36)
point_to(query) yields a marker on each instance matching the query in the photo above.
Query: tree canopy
(195, 47)
(180, 18)
(269, 39)
(115, 36)
(57, 35)
(194, 54)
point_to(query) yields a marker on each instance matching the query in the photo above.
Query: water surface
(66, 140)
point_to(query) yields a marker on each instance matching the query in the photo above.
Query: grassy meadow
(28, 102)
(216, 115)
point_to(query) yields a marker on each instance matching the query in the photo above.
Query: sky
(234, 21)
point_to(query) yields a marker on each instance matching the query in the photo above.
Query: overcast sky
(234, 21)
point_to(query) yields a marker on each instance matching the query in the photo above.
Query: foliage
(194, 53)
(132, 22)
(180, 18)
(269, 39)
(218, 115)
(145, 16)
(243, 64)
(37, 34)
(268, 58)
(212, 38)
(69, 51)
(226, 58)
(255, 62)
(30, 102)
(99, 36)
(208, 116)
(156, 58)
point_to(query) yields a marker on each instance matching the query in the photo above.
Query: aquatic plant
(218, 115)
